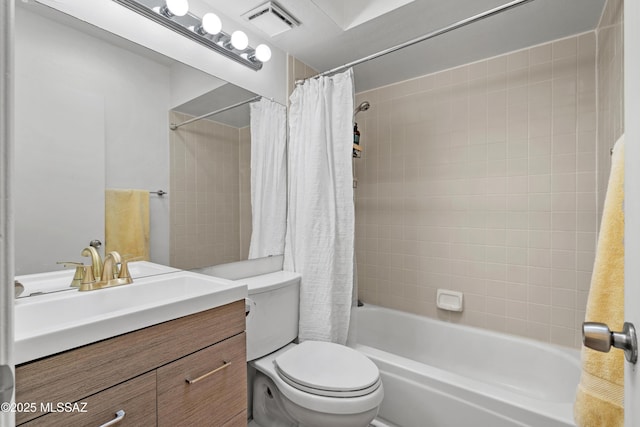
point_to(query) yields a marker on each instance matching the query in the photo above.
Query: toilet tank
(272, 322)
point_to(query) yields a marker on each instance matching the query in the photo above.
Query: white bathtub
(438, 374)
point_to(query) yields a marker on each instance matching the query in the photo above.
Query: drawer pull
(225, 364)
(119, 417)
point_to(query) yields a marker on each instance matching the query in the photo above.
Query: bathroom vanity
(166, 350)
(146, 374)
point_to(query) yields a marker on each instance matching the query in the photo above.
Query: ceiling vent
(271, 18)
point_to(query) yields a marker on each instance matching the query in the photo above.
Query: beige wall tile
(244, 160)
(540, 54)
(205, 194)
(474, 179)
(565, 47)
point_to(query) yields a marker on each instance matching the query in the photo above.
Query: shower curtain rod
(444, 30)
(174, 126)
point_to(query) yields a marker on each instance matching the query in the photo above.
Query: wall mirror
(93, 112)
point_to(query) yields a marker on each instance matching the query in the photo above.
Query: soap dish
(449, 300)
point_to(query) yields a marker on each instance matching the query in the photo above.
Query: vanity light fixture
(211, 24)
(239, 40)
(262, 53)
(173, 8)
(175, 15)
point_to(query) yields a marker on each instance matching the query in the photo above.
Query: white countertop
(54, 322)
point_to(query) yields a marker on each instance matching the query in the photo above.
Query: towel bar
(159, 192)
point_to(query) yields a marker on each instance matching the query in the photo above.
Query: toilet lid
(328, 369)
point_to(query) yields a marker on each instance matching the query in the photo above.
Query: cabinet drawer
(136, 397)
(239, 420)
(218, 391)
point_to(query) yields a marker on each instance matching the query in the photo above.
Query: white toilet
(312, 384)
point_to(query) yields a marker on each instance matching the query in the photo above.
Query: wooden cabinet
(145, 373)
(134, 401)
(203, 388)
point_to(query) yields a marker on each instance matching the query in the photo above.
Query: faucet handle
(88, 276)
(66, 264)
(88, 280)
(78, 275)
(124, 272)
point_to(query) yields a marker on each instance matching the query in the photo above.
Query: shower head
(364, 106)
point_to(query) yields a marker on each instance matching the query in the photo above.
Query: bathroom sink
(56, 281)
(56, 322)
(44, 283)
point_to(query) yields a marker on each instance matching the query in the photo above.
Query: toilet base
(272, 409)
(268, 408)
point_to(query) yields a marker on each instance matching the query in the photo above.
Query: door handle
(599, 337)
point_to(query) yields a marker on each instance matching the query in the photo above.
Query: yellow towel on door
(600, 396)
(127, 223)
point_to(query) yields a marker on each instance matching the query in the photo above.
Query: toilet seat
(328, 369)
(315, 402)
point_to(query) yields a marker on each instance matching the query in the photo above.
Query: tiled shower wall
(482, 179)
(297, 70)
(610, 89)
(245, 191)
(205, 193)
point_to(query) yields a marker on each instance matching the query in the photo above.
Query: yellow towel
(600, 396)
(127, 223)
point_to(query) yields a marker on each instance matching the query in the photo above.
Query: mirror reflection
(92, 113)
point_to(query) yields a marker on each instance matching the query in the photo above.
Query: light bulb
(263, 53)
(211, 23)
(178, 7)
(239, 40)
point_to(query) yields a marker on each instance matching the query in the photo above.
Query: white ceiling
(333, 32)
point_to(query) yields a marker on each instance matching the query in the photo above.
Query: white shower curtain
(320, 223)
(268, 178)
